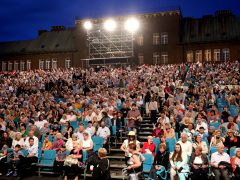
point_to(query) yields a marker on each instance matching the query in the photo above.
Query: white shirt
(203, 124)
(33, 150)
(103, 132)
(186, 147)
(184, 160)
(35, 141)
(40, 124)
(216, 158)
(20, 142)
(80, 135)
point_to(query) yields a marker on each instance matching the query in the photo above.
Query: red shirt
(151, 147)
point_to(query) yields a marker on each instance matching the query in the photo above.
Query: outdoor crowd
(63, 109)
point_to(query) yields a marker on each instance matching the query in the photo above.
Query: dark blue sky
(21, 19)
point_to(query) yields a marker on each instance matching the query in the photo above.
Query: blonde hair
(102, 152)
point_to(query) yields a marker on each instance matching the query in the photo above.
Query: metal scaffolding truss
(104, 44)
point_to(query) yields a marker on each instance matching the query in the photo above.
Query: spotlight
(132, 25)
(110, 25)
(87, 25)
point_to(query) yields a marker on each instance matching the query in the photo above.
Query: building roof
(53, 41)
(222, 26)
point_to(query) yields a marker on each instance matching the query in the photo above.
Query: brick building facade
(164, 37)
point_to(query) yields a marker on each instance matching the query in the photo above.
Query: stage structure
(110, 42)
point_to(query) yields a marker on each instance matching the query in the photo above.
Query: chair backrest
(84, 156)
(232, 151)
(147, 163)
(216, 125)
(49, 155)
(97, 142)
(85, 123)
(171, 142)
(156, 141)
(214, 149)
(74, 124)
(24, 152)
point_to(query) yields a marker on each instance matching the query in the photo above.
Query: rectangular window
(198, 56)
(164, 57)
(156, 39)
(156, 58)
(140, 40)
(22, 66)
(9, 66)
(189, 56)
(216, 54)
(29, 64)
(226, 54)
(207, 55)
(16, 66)
(54, 63)
(67, 63)
(164, 38)
(47, 64)
(140, 58)
(41, 64)
(4, 66)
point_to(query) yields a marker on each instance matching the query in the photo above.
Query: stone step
(143, 137)
(147, 129)
(145, 133)
(120, 157)
(146, 125)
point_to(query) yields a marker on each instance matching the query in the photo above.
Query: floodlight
(110, 25)
(132, 25)
(87, 25)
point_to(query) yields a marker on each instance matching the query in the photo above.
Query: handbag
(69, 161)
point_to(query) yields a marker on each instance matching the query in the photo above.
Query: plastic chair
(85, 123)
(171, 142)
(74, 124)
(24, 152)
(97, 143)
(232, 151)
(214, 149)
(156, 141)
(233, 109)
(114, 134)
(84, 156)
(46, 163)
(147, 163)
(216, 125)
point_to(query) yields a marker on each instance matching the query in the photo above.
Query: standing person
(125, 146)
(153, 108)
(199, 164)
(217, 159)
(133, 117)
(178, 161)
(102, 168)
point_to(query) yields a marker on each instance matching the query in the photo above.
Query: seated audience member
(90, 129)
(200, 123)
(125, 145)
(60, 158)
(71, 163)
(14, 163)
(67, 130)
(161, 160)
(103, 131)
(168, 131)
(235, 161)
(32, 157)
(217, 139)
(102, 169)
(31, 135)
(186, 146)
(18, 140)
(55, 128)
(149, 146)
(86, 144)
(202, 134)
(198, 142)
(3, 159)
(158, 131)
(58, 143)
(47, 145)
(178, 161)
(5, 140)
(79, 131)
(219, 162)
(199, 164)
(45, 130)
(231, 140)
(135, 161)
(230, 125)
(71, 142)
(190, 131)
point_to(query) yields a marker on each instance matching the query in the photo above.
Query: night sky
(21, 19)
